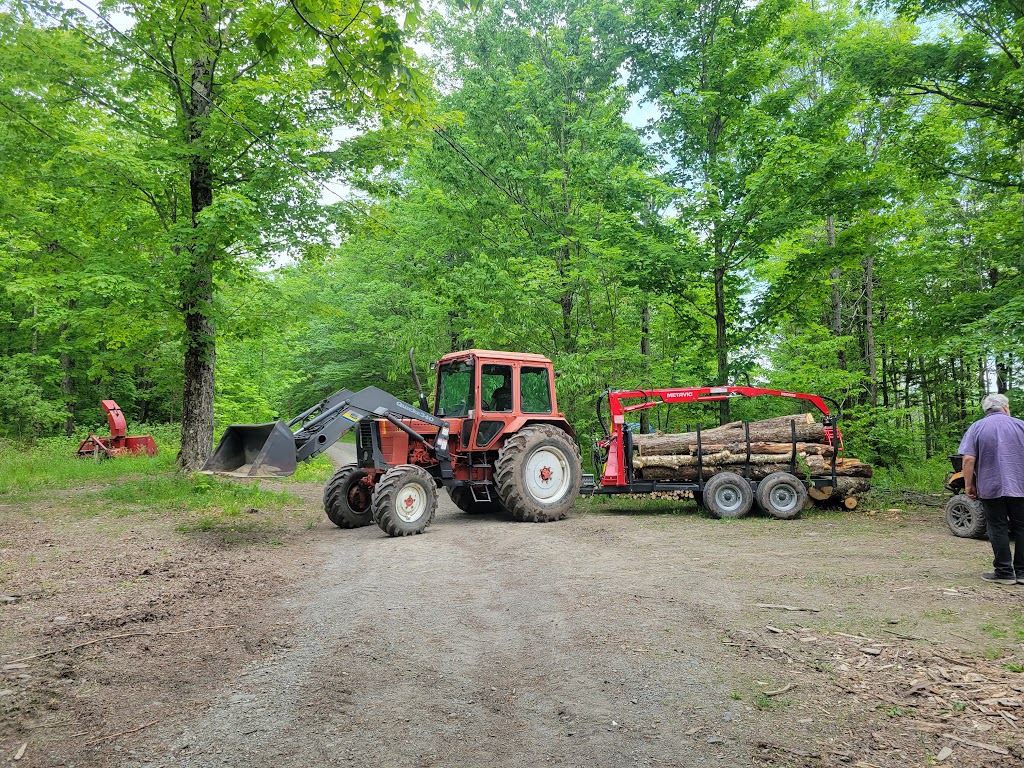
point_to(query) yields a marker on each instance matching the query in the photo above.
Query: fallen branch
(788, 607)
(119, 637)
(782, 690)
(978, 744)
(122, 733)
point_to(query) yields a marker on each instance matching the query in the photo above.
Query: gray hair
(995, 402)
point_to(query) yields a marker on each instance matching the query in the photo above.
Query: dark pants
(1005, 517)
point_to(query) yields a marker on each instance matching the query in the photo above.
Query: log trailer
(724, 494)
(494, 440)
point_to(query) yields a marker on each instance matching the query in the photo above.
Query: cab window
(496, 388)
(535, 389)
(454, 390)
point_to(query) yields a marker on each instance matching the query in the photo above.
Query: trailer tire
(965, 517)
(404, 501)
(728, 495)
(347, 499)
(538, 474)
(462, 497)
(782, 495)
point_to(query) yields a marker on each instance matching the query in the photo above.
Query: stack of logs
(724, 449)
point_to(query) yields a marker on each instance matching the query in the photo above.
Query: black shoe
(998, 579)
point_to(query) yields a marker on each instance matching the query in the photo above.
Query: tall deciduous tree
(235, 101)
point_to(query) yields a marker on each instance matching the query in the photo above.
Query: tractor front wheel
(405, 500)
(347, 498)
(965, 517)
(538, 474)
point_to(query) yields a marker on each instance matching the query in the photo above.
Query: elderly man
(993, 451)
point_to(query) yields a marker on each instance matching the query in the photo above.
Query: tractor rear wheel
(782, 495)
(728, 495)
(347, 498)
(965, 517)
(538, 474)
(405, 500)
(462, 497)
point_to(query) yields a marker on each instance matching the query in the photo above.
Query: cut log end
(850, 502)
(819, 494)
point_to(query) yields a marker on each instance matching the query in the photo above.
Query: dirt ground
(623, 636)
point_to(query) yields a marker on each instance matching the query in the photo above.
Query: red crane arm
(615, 472)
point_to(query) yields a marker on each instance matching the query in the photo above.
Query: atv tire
(782, 495)
(404, 501)
(462, 497)
(347, 498)
(538, 474)
(965, 517)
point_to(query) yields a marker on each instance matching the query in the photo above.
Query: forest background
(222, 212)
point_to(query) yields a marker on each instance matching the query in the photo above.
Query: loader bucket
(254, 450)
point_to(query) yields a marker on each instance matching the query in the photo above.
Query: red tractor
(495, 438)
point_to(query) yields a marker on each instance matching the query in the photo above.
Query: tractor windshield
(454, 390)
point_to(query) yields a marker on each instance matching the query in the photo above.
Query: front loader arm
(274, 450)
(337, 414)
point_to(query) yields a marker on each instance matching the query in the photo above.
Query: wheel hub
(783, 498)
(728, 498)
(548, 475)
(411, 503)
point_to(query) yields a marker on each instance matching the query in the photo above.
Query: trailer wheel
(404, 501)
(538, 474)
(782, 495)
(347, 498)
(965, 517)
(462, 497)
(728, 495)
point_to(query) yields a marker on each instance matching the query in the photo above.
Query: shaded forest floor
(137, 633)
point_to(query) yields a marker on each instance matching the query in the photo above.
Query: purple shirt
(997, 443)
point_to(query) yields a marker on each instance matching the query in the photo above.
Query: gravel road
(482, 642)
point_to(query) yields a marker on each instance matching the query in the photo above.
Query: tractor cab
(486, 394)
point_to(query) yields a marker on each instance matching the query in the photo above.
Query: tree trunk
(869, 330)
(67, 382)
(197, 284)
(645, 353)
(721, 340)
(926, 409)
(1002, 375)
(836, 275)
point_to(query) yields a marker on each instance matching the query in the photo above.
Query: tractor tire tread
(383, 504)
(336, 503)
(511, 493)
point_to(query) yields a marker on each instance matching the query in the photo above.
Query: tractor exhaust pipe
(254, 450)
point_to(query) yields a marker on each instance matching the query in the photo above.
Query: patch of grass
(50, 463)
(769, 703)
(918, 475)
(318, 470)
(178, 492)
(996, 633)
(225, 524)
(1014, 667)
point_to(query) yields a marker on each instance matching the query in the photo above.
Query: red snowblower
(118, 443)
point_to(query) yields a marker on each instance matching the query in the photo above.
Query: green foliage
(826, 199)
